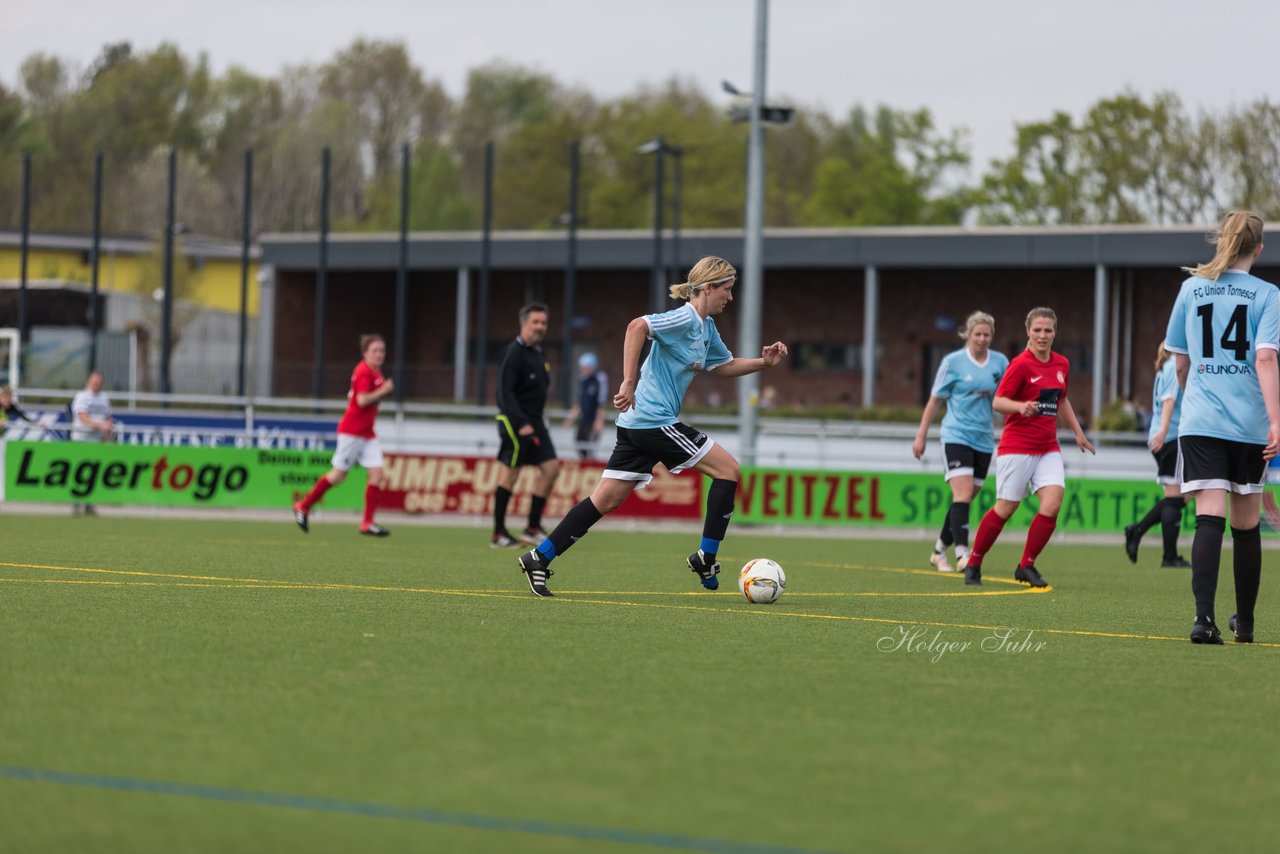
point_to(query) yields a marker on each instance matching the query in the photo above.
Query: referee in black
(523, 379)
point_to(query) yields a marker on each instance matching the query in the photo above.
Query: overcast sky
(983, 65)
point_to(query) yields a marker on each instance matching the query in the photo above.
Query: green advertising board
(181, 476)
(818, 497)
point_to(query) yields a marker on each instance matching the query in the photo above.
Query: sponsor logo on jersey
(1036, 379)
(1229, 370)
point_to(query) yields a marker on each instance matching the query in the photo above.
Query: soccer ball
(762, 581)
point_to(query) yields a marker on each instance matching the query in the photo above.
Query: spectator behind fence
(588, 412)
(10, 411)
(91, 421)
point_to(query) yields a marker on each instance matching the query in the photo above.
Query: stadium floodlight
(770, 114)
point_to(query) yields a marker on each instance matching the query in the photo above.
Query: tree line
(1128, 159)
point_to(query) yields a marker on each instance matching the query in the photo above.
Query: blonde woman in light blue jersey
(966, 382)
(685, 343)
(1224, 331)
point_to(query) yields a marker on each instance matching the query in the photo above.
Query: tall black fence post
(482, 322)
(95, 262)
(246, 234)
(402, 277)
(322, 275)
(570, 280)
(166, 308)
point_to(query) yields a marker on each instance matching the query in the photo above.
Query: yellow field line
(567, 596)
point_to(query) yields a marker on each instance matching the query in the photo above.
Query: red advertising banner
(422, 483)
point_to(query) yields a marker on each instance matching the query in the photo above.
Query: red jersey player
(1032, 394)
(356, 439)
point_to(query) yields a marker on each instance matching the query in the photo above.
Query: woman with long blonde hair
(1224, 331)
(685, 343)
(966, 382)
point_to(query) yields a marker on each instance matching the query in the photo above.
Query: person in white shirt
(91, 422)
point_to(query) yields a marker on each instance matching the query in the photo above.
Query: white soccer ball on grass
(762, 581)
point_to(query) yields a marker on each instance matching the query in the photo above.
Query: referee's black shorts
(515, 450)
(677, 446)
(1208, 463)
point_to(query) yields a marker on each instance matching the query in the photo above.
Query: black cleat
(1029, 576)
(706, 569)
(534, 566)
(1131, 539)
(1206, 633)
(1178, 562)
(503, 540)
(373, 529)
(1242, 630)
(972, 574)
(300, 516)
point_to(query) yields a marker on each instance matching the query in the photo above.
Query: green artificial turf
(146, 658)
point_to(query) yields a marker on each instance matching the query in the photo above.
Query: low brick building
(1111, 286)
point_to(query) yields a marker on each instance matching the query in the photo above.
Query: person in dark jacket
(524, 376)
(10, 411)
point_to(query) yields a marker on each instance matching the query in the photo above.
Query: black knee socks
(1154, 515)
(501, 496)
(572, 527)
(1248, 569)
(945, 536)
(1206, 552)
(1170, 525)
(958, 522)
(719, 508)
(535, 510)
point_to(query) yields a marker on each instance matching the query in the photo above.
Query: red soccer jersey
(358, 420)
(1028, 378)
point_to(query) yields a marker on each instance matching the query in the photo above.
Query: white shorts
(1016, 472)
(357, 449)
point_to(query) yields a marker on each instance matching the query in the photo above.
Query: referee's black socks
(1206, 553)
(501, 497)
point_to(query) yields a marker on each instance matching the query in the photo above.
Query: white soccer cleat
(962, 562)
(940, 562)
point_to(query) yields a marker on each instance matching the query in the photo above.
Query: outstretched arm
(769, 356)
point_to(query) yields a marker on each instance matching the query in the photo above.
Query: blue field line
(376, 810)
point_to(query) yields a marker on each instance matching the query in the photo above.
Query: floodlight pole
(753, 251)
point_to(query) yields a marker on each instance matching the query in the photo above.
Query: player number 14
(1234, 338)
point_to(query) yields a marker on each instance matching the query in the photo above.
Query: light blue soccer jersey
(683, 345)
(1164, 390)
(969, 389)
(1220, 326)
